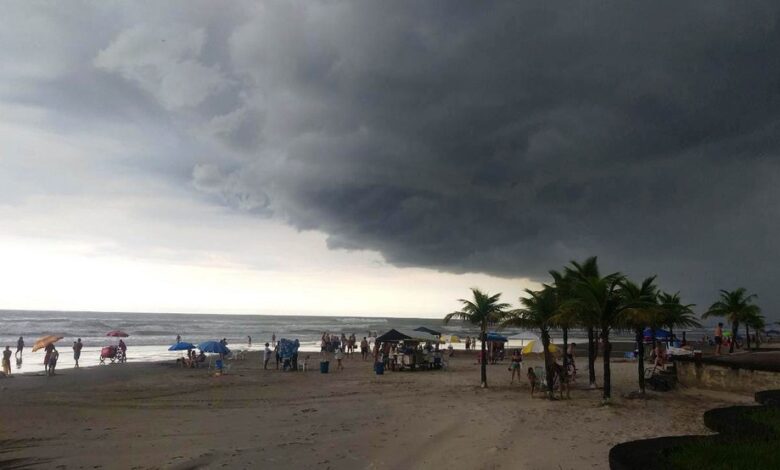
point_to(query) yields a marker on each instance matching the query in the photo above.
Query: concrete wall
(718, 377)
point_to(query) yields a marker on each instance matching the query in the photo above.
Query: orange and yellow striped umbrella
(44, 341)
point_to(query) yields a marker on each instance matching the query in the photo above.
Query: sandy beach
(159, 416)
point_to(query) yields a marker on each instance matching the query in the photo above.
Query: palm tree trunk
(734, 329)
(640, 358)
(565, 347)
(671, 334)
(747, 335)
(591, 358)
(548, 365)
(483, 359)
(607, 374)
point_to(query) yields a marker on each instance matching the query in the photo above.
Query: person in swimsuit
(514, 366)
(19, 346)
(718, 338)
(53, 356)
(77, 345)
(7, 361)
(533, 380)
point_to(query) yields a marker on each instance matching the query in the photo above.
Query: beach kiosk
(408, 350)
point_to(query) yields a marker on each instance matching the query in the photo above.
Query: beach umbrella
(117, 334)
(536, 347)
(182, 346)
(773, 332)
(213, 347)
(524, 336)
(44, 341)
(454, 339)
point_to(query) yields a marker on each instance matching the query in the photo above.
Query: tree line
(580, 296)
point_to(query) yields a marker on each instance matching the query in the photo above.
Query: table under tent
(408, 350)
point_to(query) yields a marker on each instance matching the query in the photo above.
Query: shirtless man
(718, 338)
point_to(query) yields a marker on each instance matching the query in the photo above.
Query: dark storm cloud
(512, 137)
(499, 137)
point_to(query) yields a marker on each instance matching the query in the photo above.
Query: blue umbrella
(213, 347)
(182, 346)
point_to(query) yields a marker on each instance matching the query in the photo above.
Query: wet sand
(160, 416)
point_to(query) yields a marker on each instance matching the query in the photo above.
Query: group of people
(471, 343)
(193, 359)
(50, 358)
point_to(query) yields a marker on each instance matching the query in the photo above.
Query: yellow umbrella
(44, 341)
(454, 339)
(535, 346)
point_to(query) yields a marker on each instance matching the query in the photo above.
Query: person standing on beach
(273, 339)
(266, 356)
(123, 347)
(178, 339)
(7, 361)
(364, 348)
(339, 355)
(718, 338)
(77, 345)
(468, 343)
(53, 360)
(49, 348)
(514, 366)
(19, 346)
(249, 341)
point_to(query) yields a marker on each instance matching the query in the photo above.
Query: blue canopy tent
(493, 336)
(660, 334)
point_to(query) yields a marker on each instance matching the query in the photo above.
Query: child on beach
(514, 366)
(53, 360)
(7, 361)
(339, 355)
(532, 379)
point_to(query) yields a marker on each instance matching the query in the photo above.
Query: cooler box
(324, 365)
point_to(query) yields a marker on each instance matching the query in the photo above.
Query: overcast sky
(382, 157)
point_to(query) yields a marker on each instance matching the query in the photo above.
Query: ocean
(152, 333)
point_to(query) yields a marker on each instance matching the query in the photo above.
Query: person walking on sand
(77, 345)
(718, 338)
(53, 360)
(266, 356)
(19, 346)
(7, 361)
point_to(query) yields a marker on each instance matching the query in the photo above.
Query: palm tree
(675, 314)
(756, 320)
(576, 272)
(734, 306)
(483, 310)
(639, 309)
(567, 316)
(540, 308)
(600, 300)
